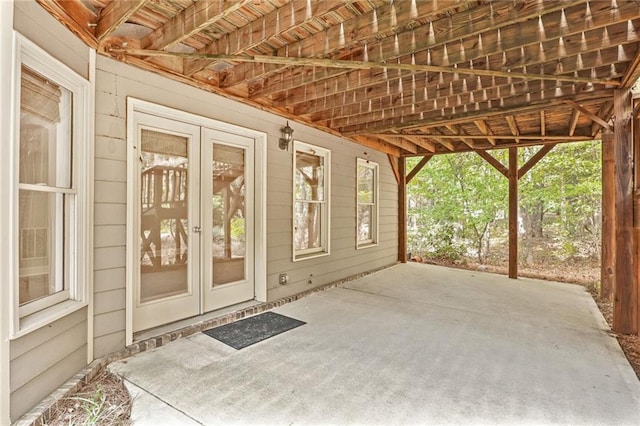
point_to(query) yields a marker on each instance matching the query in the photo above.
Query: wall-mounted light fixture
(287, 137)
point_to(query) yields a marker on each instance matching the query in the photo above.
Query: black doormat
(246, 332)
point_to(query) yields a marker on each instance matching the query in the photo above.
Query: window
(311, 174)
(367, 203)
(50, 137)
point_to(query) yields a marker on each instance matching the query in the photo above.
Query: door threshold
(192, 321)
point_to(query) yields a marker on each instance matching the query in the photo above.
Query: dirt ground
(103, 401)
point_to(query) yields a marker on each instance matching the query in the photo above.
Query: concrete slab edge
(43, 412)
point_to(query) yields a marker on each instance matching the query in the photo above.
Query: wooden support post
(402, 211)
(608, 247)
(625, 296)
(513, 213)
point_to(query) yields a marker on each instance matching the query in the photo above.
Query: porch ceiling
(406, 77)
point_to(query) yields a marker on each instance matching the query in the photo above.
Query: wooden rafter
(190, 21)
(78, 19)
(362, 65)
(481, 137)
(422, 142)
(537, 46)
(450, 30)
(485, 130)
(513, 126)
(457, 131)
(400, 143)
(361, 31)
(480, 113)
(588, 113)
(114, 14)
(265, 30)
(573, 123)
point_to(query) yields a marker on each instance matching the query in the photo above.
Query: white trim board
(6, 61)
(138, 105)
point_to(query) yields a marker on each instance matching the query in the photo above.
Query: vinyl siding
(116, 82)
(43, 360)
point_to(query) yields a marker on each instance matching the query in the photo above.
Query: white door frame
(260, 240)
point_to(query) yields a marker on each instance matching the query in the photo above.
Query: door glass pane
(229, 224)
(163, 222)
(44, 243)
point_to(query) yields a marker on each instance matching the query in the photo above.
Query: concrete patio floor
(412, 344)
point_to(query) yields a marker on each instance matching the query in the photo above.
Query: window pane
(365, 184)
(309, 177)
(307, 225)
(44, 243)
(45, 131)
(365, 215)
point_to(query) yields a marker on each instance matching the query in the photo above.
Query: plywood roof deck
(406, 77)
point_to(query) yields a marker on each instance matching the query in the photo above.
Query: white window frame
(41, 312)
(325, 220)
(360, 244)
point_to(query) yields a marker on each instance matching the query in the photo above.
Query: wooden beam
(543, 127)
(190, 21)
(483, 111)
(573, 123)
(394, 167)
(588, 113)
(534, 160)
(114, 14)
(495, 163)
(402, 211)
(265, 31)
(377, 144)
(390, 23)
(73, 15)
(360, 65)
(421, 141)
(461, 134)
(513, 213)
(632, 74)
(459, 34)
(444, 142)
(400, 143)
(513, 126)
(500, 137)
(625, 300)
(418, 167)
(608, 246)
(485, 130)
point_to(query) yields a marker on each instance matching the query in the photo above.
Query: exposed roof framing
(406, 77)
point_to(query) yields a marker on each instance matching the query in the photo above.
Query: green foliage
(453, 203)
(457, 205)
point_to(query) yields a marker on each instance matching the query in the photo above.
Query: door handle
(197, 229)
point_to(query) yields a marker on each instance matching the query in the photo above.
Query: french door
(195, 220)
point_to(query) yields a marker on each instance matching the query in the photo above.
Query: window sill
(310, 256)
(44, 317)
(366, 245)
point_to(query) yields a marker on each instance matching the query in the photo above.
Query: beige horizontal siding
(43, 360)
